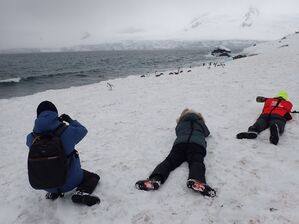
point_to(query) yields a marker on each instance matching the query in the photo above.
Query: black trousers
(264, 121)
(89, 182)
(192, 153)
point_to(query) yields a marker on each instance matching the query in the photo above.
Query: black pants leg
(260, 124)
(195, 159)
(89, 182)
(175, 158)
(264, 121)
(280, 122)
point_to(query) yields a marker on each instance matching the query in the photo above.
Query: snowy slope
(131, 129)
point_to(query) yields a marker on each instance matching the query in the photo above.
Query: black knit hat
(45, 106)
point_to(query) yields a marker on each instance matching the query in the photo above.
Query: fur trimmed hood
(188, 111)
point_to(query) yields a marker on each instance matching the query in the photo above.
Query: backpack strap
(57, 132)
(278, 102)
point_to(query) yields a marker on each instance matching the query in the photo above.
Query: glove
(65, 117)
(260, 99)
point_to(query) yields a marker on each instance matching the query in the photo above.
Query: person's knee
(96, 176)
(90, 175)
(257, 127)
(252, 129)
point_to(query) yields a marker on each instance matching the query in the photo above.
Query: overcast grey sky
(57, 23)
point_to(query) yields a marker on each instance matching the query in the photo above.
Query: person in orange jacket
(275, 114)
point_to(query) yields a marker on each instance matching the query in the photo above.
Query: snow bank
(131, 129)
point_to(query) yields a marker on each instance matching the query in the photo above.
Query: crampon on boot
(148, 185)
(202, 188)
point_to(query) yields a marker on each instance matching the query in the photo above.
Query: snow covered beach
(131, 129)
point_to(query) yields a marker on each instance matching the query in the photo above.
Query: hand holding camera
(66, 118)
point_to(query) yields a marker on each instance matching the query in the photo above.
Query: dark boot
(247, 135)
(85, 198)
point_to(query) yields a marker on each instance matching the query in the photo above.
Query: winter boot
(274, 138)
(148, 185)
(54, 196)
(202, 188)
(247, 135)
(85, 198)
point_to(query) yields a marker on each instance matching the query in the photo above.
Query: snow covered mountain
(131, 129)
(254, 24)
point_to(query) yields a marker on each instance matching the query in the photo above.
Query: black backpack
(47, 161)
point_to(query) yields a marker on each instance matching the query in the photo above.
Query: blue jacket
(48, 121)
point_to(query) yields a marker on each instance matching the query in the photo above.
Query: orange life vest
(277, 106)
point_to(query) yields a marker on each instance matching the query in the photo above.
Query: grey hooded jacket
(191, 129)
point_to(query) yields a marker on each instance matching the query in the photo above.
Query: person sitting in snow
(47, 121)
(190, 145)
(275, 114)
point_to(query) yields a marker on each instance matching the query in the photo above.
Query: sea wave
(44, 78)
(79, 73)
(11, 80)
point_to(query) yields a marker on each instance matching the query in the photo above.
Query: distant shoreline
(134, 46)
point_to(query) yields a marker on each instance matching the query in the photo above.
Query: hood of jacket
(47, 121)
(190, 117)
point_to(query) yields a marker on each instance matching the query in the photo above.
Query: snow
(131, 130)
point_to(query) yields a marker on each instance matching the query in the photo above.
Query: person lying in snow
(190, 145)
(275, 114)
(46, 170)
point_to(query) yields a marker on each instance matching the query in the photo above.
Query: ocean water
(25, 74)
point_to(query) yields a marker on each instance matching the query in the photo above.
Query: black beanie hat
(45, 106)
